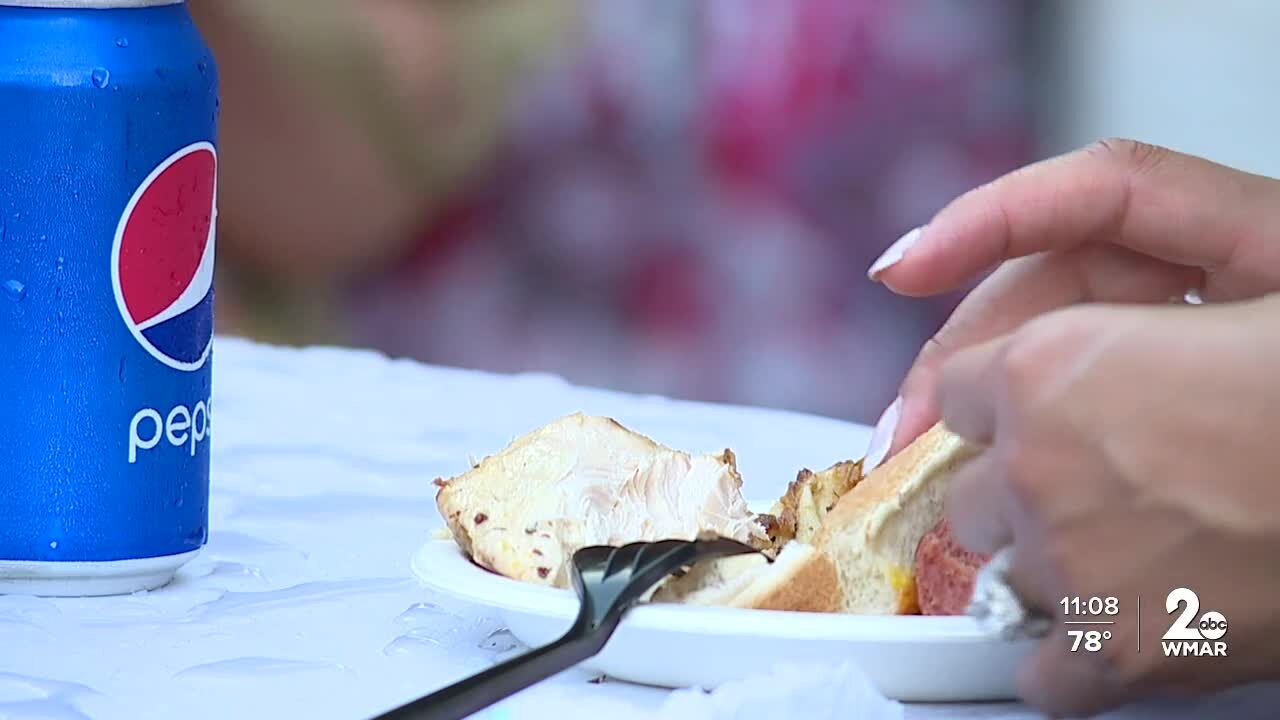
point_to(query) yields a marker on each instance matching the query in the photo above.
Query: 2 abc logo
(1190, 635)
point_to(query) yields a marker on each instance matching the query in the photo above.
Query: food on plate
(799, 513)
(873, 532)
(945, 572)
(584, 480)
(836, 541)
(800, 579)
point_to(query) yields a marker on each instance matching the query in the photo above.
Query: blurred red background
(676, 197)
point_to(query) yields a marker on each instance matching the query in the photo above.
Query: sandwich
(874, 532)
(884, 534)
(837, 541)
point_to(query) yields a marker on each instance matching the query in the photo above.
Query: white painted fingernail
(894, 254)
(882, 437)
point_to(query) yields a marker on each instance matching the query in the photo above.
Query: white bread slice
(872, 533)
(584, 480)
(800, 579)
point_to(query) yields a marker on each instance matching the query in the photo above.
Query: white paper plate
(913, 659)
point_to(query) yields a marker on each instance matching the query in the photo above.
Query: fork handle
(499, 682)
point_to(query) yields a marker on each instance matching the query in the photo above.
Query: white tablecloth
(303, 604)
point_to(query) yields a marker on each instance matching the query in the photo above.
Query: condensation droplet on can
(15, 290)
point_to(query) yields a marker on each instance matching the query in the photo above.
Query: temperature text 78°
(1091, 639)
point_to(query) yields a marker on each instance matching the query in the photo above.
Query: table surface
(303, 603)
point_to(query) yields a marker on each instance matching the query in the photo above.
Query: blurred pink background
(678, 198)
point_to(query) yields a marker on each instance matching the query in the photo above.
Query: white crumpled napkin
(810, 692)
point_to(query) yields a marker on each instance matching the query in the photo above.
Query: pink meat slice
(945, 572)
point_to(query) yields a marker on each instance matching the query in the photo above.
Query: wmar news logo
(1189, 636)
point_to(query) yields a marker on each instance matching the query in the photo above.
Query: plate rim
(442, 566)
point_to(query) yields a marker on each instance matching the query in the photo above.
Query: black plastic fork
(609, 581)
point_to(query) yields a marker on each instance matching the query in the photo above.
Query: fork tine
(594, 555)
(626, 557)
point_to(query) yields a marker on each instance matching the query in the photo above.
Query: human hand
(1127, 452)
(1118, 222)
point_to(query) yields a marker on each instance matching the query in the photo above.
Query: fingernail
(894, 254)
(882, 437)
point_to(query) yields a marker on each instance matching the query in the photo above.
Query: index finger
(1020, 290)
(1164, 204)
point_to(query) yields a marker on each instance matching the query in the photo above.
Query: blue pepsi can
(108, 186)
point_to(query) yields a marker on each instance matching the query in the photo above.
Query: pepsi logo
(162, 258)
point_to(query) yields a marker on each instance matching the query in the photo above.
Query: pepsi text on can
(166, 319)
